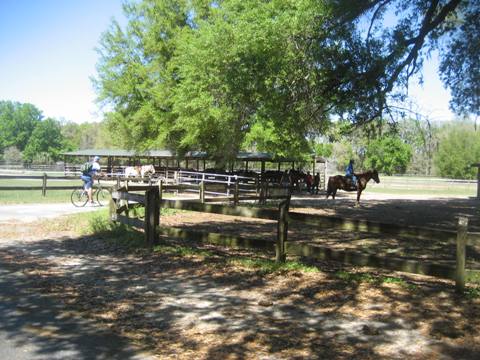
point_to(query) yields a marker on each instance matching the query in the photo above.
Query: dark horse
(340, 182)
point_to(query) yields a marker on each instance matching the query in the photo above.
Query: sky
(47, 58)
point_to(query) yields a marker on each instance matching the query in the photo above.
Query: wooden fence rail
(44, 179)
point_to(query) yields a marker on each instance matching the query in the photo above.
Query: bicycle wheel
(103, 196)
(79, 197)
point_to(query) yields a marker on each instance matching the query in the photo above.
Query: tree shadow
(40, 326)
(201, 306)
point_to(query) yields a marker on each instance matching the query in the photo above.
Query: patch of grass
(98, 224)
(420, 191)
(372, 279)
(35, 196)
(182, 251)
(472, 292)
(267, 266)
(168, 211)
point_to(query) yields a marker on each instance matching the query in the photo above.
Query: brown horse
(340, 182)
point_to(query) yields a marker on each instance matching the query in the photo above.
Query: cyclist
(88, 176)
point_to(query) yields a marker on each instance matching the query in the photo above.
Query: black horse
(340, 182)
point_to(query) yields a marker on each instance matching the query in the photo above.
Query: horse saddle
(352, 186)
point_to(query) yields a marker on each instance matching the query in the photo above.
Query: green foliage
(267, 266)
(359, 277)
(343, 152)
(12, 155)
(45, 143)
(389, 155)
(323, 149)
(86, 136)
(422, 136)
(182, 251)
(458, 149)
(17, 123)
(460, 67)
(269, 75)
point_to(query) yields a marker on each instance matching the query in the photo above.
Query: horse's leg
(359, 192)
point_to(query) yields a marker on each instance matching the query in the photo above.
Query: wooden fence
(44, 187)
(152, 202)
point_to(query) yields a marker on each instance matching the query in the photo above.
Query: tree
(12, 155)
(215, 76)
(86, 136)
(458, 149)
(460, 66)
(17, 122)
(45, 143)
(421, 135)
(389, 155)
(393, 51)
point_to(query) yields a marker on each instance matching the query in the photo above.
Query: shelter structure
(195, 160)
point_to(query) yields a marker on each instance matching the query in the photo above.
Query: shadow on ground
(204, 305)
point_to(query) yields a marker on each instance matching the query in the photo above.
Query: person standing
(88, 175)
(309, 181)
(316, 183)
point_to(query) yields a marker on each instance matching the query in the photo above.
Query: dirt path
(33, 212)
(204, 304)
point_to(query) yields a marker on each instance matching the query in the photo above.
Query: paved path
(33, 212)
(34, 327)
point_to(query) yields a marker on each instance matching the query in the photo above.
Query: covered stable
(193, 160)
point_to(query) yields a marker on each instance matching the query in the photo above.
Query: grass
(183, 251)
(422, 191)
(35, 196)
(360, 277)
(98, 224)
(472, 292)
(267, 266)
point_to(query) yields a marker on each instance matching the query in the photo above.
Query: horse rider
(349, 173)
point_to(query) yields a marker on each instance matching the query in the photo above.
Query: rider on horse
(349, 173)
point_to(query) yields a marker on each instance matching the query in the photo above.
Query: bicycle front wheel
(79, 197)
(103, 196)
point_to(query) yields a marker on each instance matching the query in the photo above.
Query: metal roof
(167, 154)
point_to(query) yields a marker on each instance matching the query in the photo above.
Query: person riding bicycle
(88, 175)
(349, 173)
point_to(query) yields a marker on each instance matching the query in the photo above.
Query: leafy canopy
(17, 122)
(269, 75)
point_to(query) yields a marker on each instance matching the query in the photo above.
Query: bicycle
(79, 197)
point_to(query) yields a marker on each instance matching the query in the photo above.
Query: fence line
(153, 202)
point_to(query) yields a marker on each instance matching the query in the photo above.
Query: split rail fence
(152, 201)
(44, 187)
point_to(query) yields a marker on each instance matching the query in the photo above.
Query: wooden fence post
(44, 184)
(152, 215)
(236, 193)
(112, 206)
(462, 234)
(282, 230)
(160, 190)
(202, 192)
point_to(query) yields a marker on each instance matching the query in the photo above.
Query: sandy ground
(31, 212)
(207, 305)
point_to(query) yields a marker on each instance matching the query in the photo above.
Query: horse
(139, 171)
(296, 177)
(340, 182)
(133, 171)
(148, 170)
